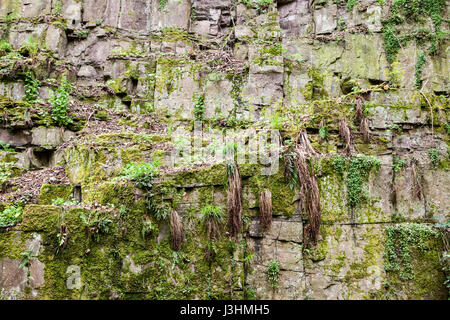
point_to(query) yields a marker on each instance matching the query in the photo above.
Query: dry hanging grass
(418, 190)
(234, 200)
(265, 208)
(309, 189)
(362, 119)
(176, 231)
(345, 133)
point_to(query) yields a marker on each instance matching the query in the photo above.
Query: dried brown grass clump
(309, 189)
(234, 200)
(346, 135)
(417, 180)
(265, 208)
(176, 231)
(362, 119)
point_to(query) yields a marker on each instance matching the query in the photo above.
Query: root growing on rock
(176, 231)
(265, 208)
(234, 200)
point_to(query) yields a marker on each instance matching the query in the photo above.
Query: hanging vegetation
(345, 134)
(265, 208)
(362, 119)
(417, 180)
(309, 190)
(234, 200)
(176, 231)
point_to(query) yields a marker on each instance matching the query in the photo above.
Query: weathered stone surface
(346, 259)
(364, 58)
(436, 189)
(295, 18)
(12, 278)
(34, 8)
(135, 15)
(174, 91)
(49, 138)
(211, 17)
(325, 19)
(174, 14)
(71, 10)
(15, 139)
(56, 40)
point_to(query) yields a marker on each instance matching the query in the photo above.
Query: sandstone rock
(364, 58)
(71, 10)
(135, 15)
(34, 8)
(325, 19)
(211, 17)
(295, 19)
(48, 138)
(175, 14)
(15, 139)
(56, 40)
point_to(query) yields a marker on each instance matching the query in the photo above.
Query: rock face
(163, 95)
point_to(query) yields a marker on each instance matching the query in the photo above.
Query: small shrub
(273, 273)
(199, 107)
(433, 153)
(212, 217)
(95, 225)
(142, 173)
(5, 47)
(10, 216)
(59, 103)
(31, 88)
(147, 229)
(5, 147)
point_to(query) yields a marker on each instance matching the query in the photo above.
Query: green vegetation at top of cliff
(415, 11)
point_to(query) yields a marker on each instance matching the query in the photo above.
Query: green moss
(50, 192)
(40, 218)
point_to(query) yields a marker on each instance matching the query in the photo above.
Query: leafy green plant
(419, 67)
(122, 211)
(401, 239)
(31, 88)
(162, 4)
(5, 47)
(27, 256)
(323, 132)
(273, 273)
(147, 228)
(95, 225)
(142, 173)
(351, 4)
(199, 107)
(59, 103)
(212, 217)
(257, 4)
(5, 147)
(161, 211)
(356, 170)
(397, 164)
(6, 172)
(10, 216)
(433, 153)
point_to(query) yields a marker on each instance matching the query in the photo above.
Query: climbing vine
(415, 11)
(401, 240)
(356, 170)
